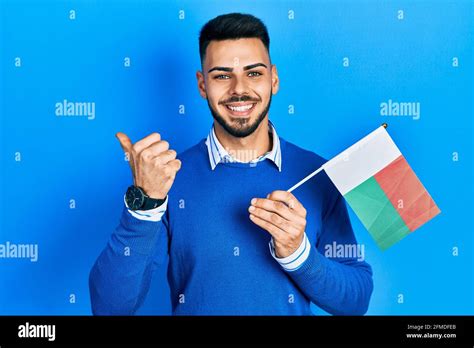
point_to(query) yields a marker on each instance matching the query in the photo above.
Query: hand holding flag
(284, 217)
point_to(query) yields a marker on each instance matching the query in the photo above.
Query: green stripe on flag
(374, 209)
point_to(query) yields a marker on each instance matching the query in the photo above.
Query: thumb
(124, 141)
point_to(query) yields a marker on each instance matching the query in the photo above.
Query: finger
(272, 218)
(175, 164)
(154, 149)
(170, 169)
(289, 199)
(166, 156)
(276, 233)
(279, 208)
(274, 207)
(125, 142)
(126, 145)
(145, 142)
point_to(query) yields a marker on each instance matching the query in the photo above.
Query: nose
(238, 86)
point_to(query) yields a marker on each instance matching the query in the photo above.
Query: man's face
(238, 81)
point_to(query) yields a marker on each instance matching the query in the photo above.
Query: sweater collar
(217, 152)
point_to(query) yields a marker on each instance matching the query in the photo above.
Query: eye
(222, 77)
(254, 74)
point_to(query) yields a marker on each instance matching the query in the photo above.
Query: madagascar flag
(381, 188)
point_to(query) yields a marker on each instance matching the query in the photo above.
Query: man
(238, 244)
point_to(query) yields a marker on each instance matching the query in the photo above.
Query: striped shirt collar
(217, 153)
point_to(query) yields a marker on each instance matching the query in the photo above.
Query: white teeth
(240, 108)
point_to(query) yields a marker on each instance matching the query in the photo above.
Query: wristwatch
(137, 199)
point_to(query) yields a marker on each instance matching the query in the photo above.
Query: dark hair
(232, 26)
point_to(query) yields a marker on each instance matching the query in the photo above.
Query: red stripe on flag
(407, 194)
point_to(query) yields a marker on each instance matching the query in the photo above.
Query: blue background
(407, 60)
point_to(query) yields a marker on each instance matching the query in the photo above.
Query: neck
(248, 148)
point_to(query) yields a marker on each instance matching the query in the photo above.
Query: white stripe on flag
(362, 160)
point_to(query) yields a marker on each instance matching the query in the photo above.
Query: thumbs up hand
(153, 163)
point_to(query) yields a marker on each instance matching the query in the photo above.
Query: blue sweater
(219, 261)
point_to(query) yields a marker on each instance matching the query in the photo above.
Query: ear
(201, 84)
(275, 80)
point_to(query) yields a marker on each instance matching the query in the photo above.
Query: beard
(243, 128)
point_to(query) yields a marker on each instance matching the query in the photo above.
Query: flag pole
(294, 187)
(305, 179)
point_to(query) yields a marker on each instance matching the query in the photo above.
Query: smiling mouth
(240, 109)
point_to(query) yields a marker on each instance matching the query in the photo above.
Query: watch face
(134, 198)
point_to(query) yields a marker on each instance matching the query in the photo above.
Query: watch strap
(151, 203)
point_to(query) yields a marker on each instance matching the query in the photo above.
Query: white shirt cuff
(295, 260)
(154, 215)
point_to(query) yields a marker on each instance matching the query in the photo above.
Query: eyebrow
(227, 69)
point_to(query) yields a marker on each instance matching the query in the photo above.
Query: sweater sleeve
(120, 278)
(339, 285)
